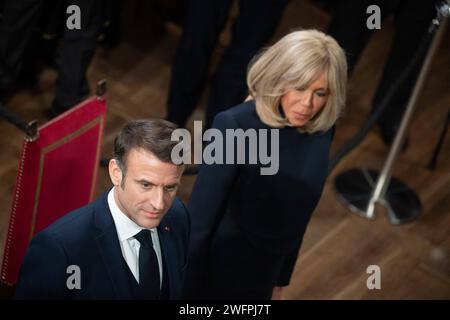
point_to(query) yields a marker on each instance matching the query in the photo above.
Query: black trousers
(75, 55)
(255, 24)
(411, 19)
(18, 23)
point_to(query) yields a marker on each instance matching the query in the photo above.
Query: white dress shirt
(126, 230)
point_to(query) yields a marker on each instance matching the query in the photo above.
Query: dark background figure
(75, 55)
(17, 23)
(35, 32)
(42, 46)
(255, 24)
(411, 20)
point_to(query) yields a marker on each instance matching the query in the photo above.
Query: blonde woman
(247, 228)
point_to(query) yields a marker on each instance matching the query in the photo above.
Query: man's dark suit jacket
(87, 238)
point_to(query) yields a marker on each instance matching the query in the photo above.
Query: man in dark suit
(255, 24)
(131, 242)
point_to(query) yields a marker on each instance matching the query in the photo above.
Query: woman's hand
(249, 97)
(277, 293)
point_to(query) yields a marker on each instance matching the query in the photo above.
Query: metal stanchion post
(361, 189)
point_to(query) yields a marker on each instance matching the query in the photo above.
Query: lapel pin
(166, 228)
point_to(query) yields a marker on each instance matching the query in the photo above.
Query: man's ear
(115, 173)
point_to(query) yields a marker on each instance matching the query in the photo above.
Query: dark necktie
(149, 280)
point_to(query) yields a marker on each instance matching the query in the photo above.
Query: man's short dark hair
(152, 135)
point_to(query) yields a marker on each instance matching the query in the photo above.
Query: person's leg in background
(253, 28)
(204, 22)
(17, 24)
(412, 19)
(52, 26)
(41, 47)
(75, 55)
(111, 33)
(348, 26)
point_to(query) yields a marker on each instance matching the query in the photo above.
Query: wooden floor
(338, 246)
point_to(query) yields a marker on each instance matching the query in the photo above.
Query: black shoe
(55, 110)
(23, 83)
(388, 135)
(50, 113)
(6, 89)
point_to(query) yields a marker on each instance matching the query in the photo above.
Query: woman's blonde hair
(294, 61)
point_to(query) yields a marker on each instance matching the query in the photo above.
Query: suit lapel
(109, 247)
(169, 255)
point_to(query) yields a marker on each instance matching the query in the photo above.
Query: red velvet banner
(57, 174)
